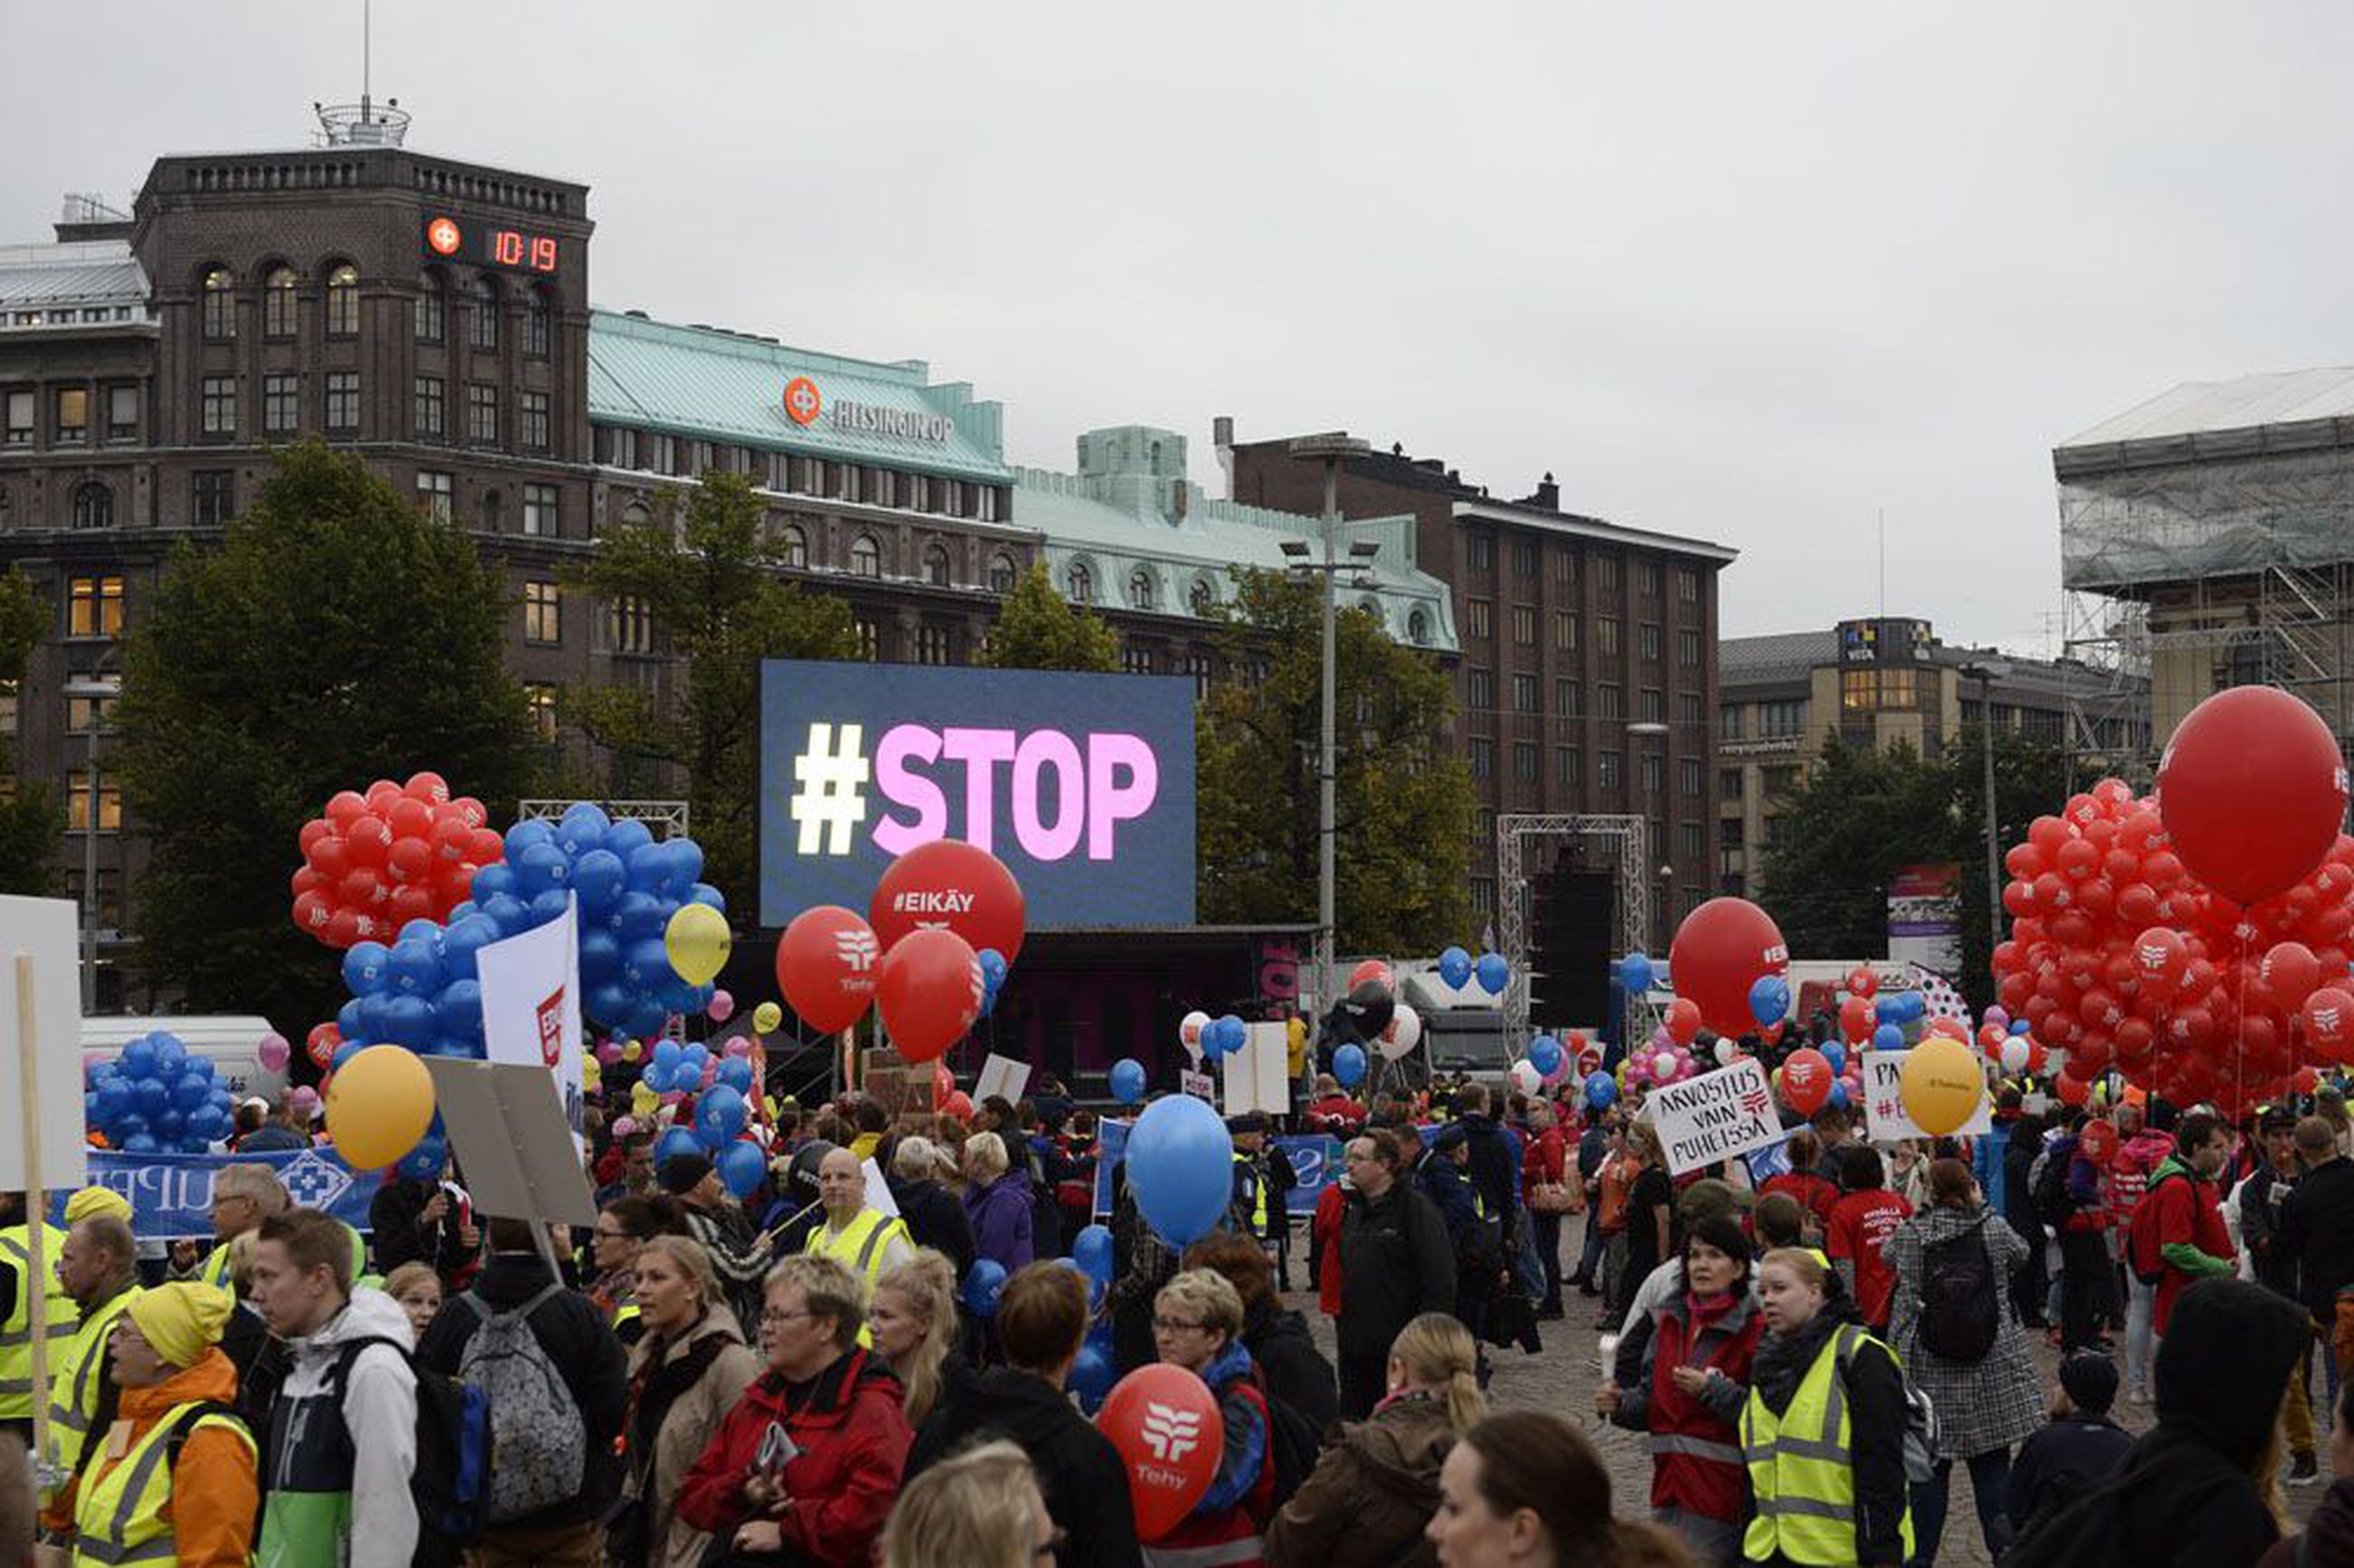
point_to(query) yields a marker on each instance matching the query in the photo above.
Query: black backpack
(1961, 1309)
(450, 1485)
(2054, 1201)
(1293, 1443)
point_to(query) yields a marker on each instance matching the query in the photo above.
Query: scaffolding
(1624, 838)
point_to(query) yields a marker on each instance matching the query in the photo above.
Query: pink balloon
(739, 1046)
(609, 1052)
(721, 1007)
(273, 1052)
(303, 1097)
(625, 1126)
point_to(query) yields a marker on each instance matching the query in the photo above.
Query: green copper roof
(724, 386)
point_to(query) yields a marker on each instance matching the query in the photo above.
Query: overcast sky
(1757, 273)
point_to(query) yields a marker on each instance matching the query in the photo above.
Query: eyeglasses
(770, 1314)
(1176, 1326)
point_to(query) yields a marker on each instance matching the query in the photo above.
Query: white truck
(233, 1045)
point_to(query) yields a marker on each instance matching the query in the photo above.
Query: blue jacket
(1246, 1450)
(1986, 1163)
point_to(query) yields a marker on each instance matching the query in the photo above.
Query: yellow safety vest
(1801, 1465)
(120, 1516)
(1258, 1196)
(73, 1384)
(16, 1332)
(213, 1269)
(858, 1247)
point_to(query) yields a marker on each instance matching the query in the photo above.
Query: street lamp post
(94, 690)
(1334, 449)
(1985, 673)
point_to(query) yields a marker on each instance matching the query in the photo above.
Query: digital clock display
(452, 239)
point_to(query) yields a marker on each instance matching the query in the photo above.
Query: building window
(1417, 627)
(1610, 700)
(110, 805)
(1605, 637)
(1001, 573)
(1480, 692)
(1688, 707)
(700, 460)
(987, 495)
(343, 402)
(1135, 660)
(1524, 762)
(1688, 772)
(1524, 625)
(213, 496)
(535, 422)
(1654, 705)
(1483, 896)
(952, 497)
(281, 402)
(1728, 783)
(539, 510)
(1647, 577)
(1607, 773)
(94, 606)
(1482, 549)
(84, 715)
(935, 644)
(1651, 772)
(1564, 632)
(73, 415)
(1080, 584)
(482, 319)
(796, 545)
(882, 487)
(1569, 764)
(865, 557)
(1524, 693)
(1646, 641)
(123, 413)
(429, 410)
(344, 301)
(19, 427)
(535, 324)
(1525, 557)
(482, 414)
(435, 492)
(281, 304)
(936, 571)
(1564, 568)
(218, 397)
(1605, 573)
(1688, 647)
(869, 635)
(542, 613)
(1687, 585)
(1691, 844)
(630, 625)
(1140, 593)
(1783, 717)
(219, 304)
(432, 307)
(919, 493)
(540, 696)
(1565, 700)
(1482, 617)
(1483, 757)
(636, 514)
(93, 505)
(1728, 721)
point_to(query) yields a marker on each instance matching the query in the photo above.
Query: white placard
(879, 1191)
(531, 1005)
(506, 1128)
(1002, 1075)
(1884, 1120)
(44, 930)
(1716, 1116)
(1201, 1086)
(1258, 1077)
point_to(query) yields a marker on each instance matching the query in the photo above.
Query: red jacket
(1340, 1113)
(2188, 1211)
(1810, 1191)
(853, 1441)
(1696, 1460)
(1324, 1234)
(1545, 1160)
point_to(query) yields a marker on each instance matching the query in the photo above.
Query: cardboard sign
(507, 1126)
(1884, 1120)
(1002, 1075)
(1257, 1076)
(43, 930)
(1716, 1116)
(879, 1191)
(531, 1007)
(1201, 1086)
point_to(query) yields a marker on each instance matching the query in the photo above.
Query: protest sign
(506, 1128)
(531, 1005)
(171, 1195)
(40, 1018)
(1716, 1116)
(1258, 1076)
(1883, 1103)
(1201, 1086)
(1002, 1075)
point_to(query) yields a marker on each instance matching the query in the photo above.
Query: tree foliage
(1037, 628)
(1403, 800)
(30, 818)
(707, 573)
(338, 634)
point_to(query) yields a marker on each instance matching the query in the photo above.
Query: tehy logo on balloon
(1081, 784)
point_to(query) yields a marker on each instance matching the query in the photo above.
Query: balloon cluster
(1722, 952)
(157, 1099)
(374, 862)
(1457, 968)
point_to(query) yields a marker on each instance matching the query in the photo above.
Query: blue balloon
(694, 1058)
(345, 1052)
(1455, 966)
(139, 1143)
(462, 945)
(1914, 1006)
(172, 1124)
(626, 836)
(1634, 973)
(201, 1066)
(646, 964)
(137, 1059)
(1836, 1055)
(1888, 1008)
(737, 1074)
(1839, 1096)
(682, 866)
(993, 966)
(666, 1053)
(2019, 1026)
(720, 1110)
(678, 1140)
(150, 1097)
(408, 1021)
(582, 829)
(1127, 1080)
(496, 880)
(983, 1284)
(508, 912)
(424, 1162)
(600, 881)
(1349, 1065)
(540, 868)
(741, 1166)
(459, 1014)
(703, 893)
(208, 1123)
(414, 968)
(524, 834)
(363, 968)
(114, 1100)
(647, 867)
(1180, 1168)
(1092, 1376)
(170, 1055)
(190, 1091)
(1545, 1054)
(420, 930)
(1091, 1249)
(1601, 1089)
(1888, 1037)
(547, 907)
(1494, 973)
(1233, 1033)
(1769, 998)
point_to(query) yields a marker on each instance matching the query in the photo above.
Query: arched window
(1141, 594)
(219, 302)
(1001, 573)
(343, 299)
(1202, 597)
(483, 323)
(796, 545)
(1417, 627)
(1080, 584)
(432, 307)
(936, 566)
(279, 305)
(93, 506)
(865, 557)
(635, 515)
(1372, 607)
(535, 318)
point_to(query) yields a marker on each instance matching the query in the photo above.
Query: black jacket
(399, 1236)
(2262, 1197)
(1875, 1392)
(2317, 1229)
(935, 1218)
(589, 1358)
(1296, 1371)
(2328, 1537)
(1494, 1174)
(2061, 1462)
(1397, 1263)
(2018, 1202)
(1080, 1473)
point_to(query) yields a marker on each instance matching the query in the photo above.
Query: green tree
(705, 573)
(1403, 801)
(30, 819)
(337, 635)
(1037, 628)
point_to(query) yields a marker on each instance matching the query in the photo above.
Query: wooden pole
(849, 1058)
(36, 1206)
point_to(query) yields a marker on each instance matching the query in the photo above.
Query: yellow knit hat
(94, 1201)
(183, 1320)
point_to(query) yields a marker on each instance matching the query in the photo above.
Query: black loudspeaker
(1572, 913)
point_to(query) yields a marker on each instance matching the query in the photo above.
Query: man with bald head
(863, 1239)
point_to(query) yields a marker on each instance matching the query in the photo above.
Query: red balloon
(408, 902)
(826, 964)
(1861, 981)
(2252, 790)
(1722, 948)
(408, 859)
(366, 840)
(2073, 1091)
(409, 819)
(930, 992)
(1164, 1422)
(1370, 969)
(430, 787)
(2161, 958)
(1806, 1080)
(2078, 859)
(380, 796)
(2289, 974)
(1683, 1021)
(943, 1082)
(321, 1047)
(2329, 1019)
(1856, 1020)
(957, 1105)
(950, 884)
(2098, 1141)
(313, 912)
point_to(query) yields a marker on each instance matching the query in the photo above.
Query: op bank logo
(1082, 784)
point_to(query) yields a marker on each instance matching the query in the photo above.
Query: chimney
(1548, 495)
(1222, 437)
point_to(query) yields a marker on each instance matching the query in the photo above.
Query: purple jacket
(1001, 1220)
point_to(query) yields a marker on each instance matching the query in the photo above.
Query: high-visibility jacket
(16, 1330)
(123, 1512)
(1802, 1465)
(213, 1269)
(1247, 1170)
(77, 1379)
(859, 1247)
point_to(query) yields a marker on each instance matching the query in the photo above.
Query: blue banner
(1315, 1160)
(171, 1194)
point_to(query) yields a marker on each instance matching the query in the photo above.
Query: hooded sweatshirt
(213, 1490)
(1080, 1473)
(339, 1478)
(2328, 1538)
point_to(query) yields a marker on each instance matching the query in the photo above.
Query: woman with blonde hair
(1374, 1489)
(1197, 1324)
(979, 1509)
(686, 1372)
(913, 1319)
(999, 1201)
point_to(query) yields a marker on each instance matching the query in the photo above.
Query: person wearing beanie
(2079, 1446)
(92, 1201)
(197, 1509)
(99, 1267)
(719, 1223)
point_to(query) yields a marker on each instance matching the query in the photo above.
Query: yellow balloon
(632, 1049)
(697, 941)
(767, 1017)
(642, 1100)
(592, 1075)
(1940, 1084)
(379, 1105)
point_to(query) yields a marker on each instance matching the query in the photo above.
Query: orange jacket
(215, 1491)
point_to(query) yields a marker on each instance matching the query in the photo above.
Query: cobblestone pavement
(1563, 1379)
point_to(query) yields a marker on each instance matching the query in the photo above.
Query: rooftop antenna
(363, 124)
(1882, 526)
